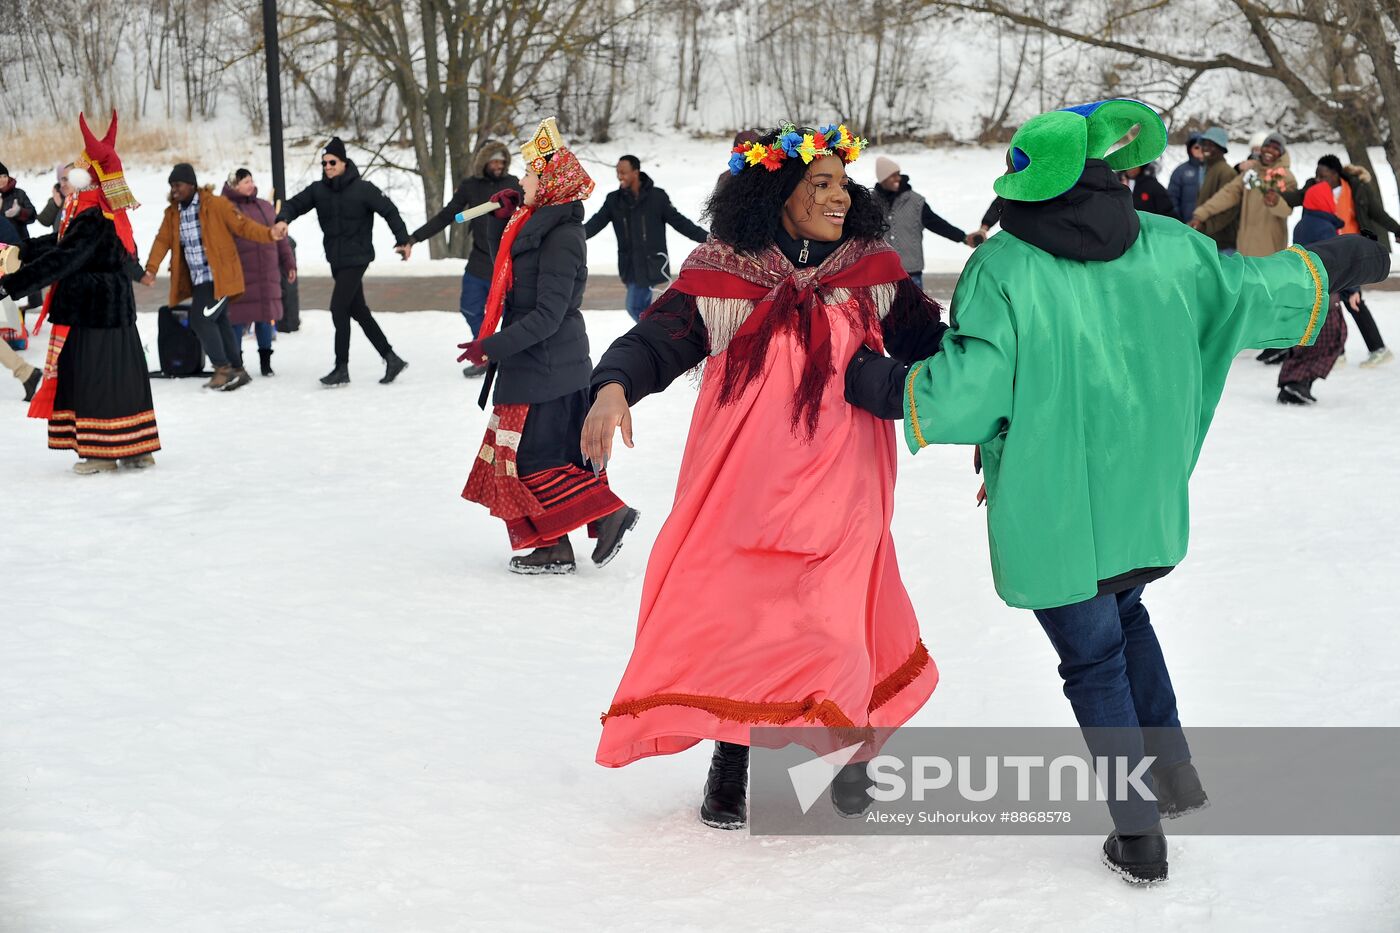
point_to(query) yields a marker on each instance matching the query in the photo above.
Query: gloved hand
(509, 199)
(472, 352)
(13, 210)
(875, 383)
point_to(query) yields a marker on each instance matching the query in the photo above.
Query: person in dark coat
(1186, 180)
(95, 394)
(1148, 193)
(491, 175)
(345, 205)
(15, 204)
(908, 216)
(264, 267)
(1361, 211)
(1306, 364)
(530, 471)
(639, 212)
(52, 211)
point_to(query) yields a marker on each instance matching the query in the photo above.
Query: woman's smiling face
(816, 210)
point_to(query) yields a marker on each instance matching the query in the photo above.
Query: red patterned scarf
(563, 180)
(788, 299)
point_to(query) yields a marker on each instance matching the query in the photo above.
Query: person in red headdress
(96, 393)
(772, 595)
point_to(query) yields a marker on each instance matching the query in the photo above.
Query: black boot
(850, 790)
(473, 371)
(340, 376)
(1178, 789)
(1273, 356)
(610, 532)
(265, 357)
(557, 558)
(726, 803)
(31, 385)
(1295, 393)
(392, 367)
(1140, 858)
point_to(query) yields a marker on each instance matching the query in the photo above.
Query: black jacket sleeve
(993, 215)
(671, 339)
(26, 213)
(936, 224)
(298, 204)
(439, 221)
(875, 383)
(379, 202)
(684, 225)
(1352, 261)
(68, 256)
(50, 214)
(595, 224)
(913, 329)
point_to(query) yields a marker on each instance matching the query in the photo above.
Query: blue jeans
(638, 300)
(1116, 679)
(473, 302)
(263, 330)
(918, 278)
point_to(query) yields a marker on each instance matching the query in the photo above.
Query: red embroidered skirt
(540, 506)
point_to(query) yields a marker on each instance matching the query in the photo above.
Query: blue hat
(1216, 135)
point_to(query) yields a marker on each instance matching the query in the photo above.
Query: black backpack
(179, 347)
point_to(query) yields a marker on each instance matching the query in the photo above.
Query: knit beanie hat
(1319, 198)
(183, 171)
(885, 167)
(1277, 139)
(3, 170)
(336, 148)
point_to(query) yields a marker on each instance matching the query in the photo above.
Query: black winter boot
(340, 376)
(1295, 393)
(31, 385)
(557, 558)
(610, 531)
(1178, 788)
(850, 790)
(1138, 859)
(265, 358)
(392, 367)
(1274, 355)
(726, 803)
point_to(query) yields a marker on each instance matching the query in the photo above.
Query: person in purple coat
(264, 266)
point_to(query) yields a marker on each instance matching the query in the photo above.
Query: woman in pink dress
(772, 595)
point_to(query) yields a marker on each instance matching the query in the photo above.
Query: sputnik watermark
(932, 773)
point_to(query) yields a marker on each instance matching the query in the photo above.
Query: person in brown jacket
(197, 231)
(1263, 208)
(1224, 226)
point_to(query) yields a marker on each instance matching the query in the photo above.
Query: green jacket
(1090, 387)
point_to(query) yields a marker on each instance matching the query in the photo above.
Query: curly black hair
(745, 210)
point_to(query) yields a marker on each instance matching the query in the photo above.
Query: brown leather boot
(239, 379)
(223, 375)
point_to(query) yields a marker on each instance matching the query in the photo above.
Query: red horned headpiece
(101, 156)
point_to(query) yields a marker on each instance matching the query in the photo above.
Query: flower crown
(793, 143)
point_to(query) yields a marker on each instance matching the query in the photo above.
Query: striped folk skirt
(102, 406)
(529, 473)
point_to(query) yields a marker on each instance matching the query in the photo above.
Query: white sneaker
(1340, 364)
(1377, 358)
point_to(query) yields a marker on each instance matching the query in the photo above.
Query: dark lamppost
(274, 98)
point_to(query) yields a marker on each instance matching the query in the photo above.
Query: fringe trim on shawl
(724, 316)
(826, 712)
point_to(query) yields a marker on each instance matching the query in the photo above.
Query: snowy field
(283, 681)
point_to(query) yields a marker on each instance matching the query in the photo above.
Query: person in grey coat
(909, 215)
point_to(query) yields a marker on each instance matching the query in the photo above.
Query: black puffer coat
(90, 268)
(542, 347)
(640, 223)
(345, 207)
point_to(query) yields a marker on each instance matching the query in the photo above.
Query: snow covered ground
(282, 682)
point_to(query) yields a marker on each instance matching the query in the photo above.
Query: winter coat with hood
(1224, 227)
(1371, 215)
(345, 207)
(477, 189)
(1088, 349)
(219, 223)
(264, 264)
(1263, 229)
(12, 195)
(1185, 183)
(541, 350)
(1319, 221)
(640, 223)
(909, 215)
(1149, 195)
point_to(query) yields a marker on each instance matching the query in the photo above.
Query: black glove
(3, 294)
(1352, 261)
(875, 383)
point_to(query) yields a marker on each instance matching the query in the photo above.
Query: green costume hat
(1048, 152)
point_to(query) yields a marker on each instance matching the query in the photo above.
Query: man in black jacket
(639, 212)
(491, 176)
(345, 206)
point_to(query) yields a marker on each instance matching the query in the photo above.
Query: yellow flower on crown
(807, 148)
(756, 153)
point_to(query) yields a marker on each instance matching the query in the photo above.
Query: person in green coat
(1088, 349)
